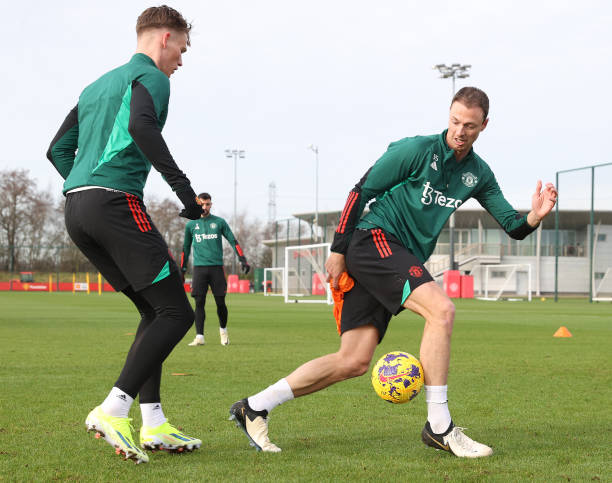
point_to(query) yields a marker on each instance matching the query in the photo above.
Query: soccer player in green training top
(417, 184)
(204, 235)
(104, 150)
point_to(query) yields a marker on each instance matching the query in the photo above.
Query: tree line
(33, 236)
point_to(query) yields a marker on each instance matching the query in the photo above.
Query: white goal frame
(319, 268)
(607, 277)
(272, 272)
(514, 268)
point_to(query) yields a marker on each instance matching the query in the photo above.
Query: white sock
(272, 396)
(117, 403)
(438, 414)
(152, 414)
(223, 330)
(200, 336)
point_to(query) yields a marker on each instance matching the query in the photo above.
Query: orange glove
(345, 284)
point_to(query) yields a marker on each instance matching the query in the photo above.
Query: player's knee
(182, 313)
(445, 314)
(354, 367)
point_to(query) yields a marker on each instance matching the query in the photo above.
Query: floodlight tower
(315, 149)
(235, 153)
(271, 202)
(452, 71)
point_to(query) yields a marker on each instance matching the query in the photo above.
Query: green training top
(205, 237)
(113, 135)
(417, 184)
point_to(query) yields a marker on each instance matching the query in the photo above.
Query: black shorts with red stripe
(114, 231)
(385, 273)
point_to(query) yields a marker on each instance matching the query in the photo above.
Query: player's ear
(165, 38)
(484, 124)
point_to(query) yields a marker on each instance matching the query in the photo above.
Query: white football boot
(224, 337)
(455, 441)
(199, 340)
(254, 424)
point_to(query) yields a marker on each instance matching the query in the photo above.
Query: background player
(417, 184)
(104, 150)
(204, 235)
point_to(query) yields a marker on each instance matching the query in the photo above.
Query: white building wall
(573, 275)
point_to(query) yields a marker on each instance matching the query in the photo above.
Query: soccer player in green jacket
(204, 235)
(416, 184)
(104, 150)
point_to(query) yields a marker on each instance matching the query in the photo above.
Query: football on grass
(397, 377)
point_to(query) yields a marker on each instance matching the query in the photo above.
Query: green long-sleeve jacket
(417, 184)
(204, 236)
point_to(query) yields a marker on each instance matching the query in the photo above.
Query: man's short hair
(473, 97)
(160, 17)
(204, 196)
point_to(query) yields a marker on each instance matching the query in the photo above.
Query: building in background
(479, 241)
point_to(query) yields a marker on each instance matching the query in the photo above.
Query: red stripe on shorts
(143, 216)
(384, 242)
(378, 244)
(347, 211)
(139, 216)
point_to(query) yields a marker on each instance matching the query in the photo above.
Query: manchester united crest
(469, 180)
(415, 271)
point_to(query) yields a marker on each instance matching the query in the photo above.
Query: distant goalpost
(510, 281)
(273, 281)
(602, 292)
(304, 274)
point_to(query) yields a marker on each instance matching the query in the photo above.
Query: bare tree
(250, 233)
(17, 204)
(164, 214)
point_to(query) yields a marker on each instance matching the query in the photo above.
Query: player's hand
(192, 212)
(183, 271)
(246, 268)
(334, 266)
(192, 209)
(542, 202)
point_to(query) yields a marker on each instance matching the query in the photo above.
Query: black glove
(244, 265)
(192, 210)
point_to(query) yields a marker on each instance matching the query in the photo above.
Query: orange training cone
(562, 332)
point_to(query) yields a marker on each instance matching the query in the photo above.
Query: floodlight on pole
(453, 71)
(315, 149)
(235, 153)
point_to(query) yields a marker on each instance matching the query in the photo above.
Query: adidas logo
(157, 406)
(122, 397)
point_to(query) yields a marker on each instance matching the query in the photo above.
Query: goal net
(304, 275)
(509, 281)
(273, 281)
(602, 287)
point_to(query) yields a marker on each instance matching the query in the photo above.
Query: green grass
(543, 403)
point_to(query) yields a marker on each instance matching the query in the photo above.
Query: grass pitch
(542, 403)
